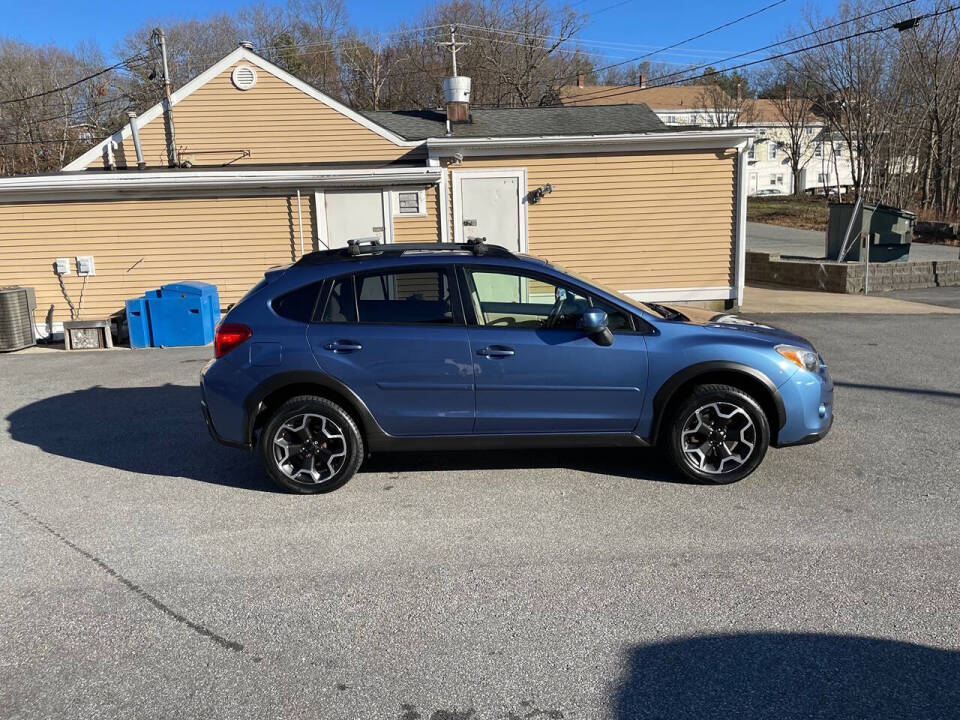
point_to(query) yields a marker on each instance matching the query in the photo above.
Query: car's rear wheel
(311, 445)
(717, 434)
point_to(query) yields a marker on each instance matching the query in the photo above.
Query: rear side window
(341, 307)
(417, 297)
(299, 304)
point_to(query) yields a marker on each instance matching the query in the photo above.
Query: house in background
(824, 158)
(271, 169)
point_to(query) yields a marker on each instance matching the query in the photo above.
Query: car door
(535, 372)
(397, 338)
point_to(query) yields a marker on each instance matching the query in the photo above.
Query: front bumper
(808, 402)
(811, 438)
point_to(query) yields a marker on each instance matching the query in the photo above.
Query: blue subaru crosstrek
(426, 347)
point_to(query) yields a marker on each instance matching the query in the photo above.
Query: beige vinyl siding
(634, 221)
(419, 229)
(275, 121)
(142, 244)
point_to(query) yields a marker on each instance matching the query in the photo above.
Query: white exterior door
(752, 189)
(489, 204)
(352, 215)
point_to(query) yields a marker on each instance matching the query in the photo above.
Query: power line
(603, 93)
(589, 43)
(42, 141)
(574, 50)
(79, 110)
(75, 82)
(825, 43)
(712, 30)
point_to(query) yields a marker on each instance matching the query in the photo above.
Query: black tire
(326, 431)
(721, 447)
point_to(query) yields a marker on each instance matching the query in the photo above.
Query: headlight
(801, 357)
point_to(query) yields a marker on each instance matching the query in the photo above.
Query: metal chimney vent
(16, 318)
(244, 77)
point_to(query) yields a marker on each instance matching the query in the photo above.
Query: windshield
(652, 309)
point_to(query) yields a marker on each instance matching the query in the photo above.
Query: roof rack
(374, 246)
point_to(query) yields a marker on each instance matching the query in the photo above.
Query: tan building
(272, 168)
(823, 159)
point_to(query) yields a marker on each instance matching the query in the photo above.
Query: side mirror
(593, 322)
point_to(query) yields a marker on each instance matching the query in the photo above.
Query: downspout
(300, 221)
(135, 134)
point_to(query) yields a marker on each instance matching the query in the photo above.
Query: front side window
(514, 300)
(400, 297)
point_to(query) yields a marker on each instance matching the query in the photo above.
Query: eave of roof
(117, 184)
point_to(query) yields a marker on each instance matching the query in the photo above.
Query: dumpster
(138, 323)
(183, 313)
(889, 231)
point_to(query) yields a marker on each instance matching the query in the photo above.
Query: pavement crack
(126, 582)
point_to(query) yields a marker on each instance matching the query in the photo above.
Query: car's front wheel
(717, 434)
(311, 445)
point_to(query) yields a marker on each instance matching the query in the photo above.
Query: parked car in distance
(427, 347)
(768, 192)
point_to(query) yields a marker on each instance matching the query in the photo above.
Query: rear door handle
(343, 346)
(496, 351)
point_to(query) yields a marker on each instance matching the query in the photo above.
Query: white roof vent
(244, 77)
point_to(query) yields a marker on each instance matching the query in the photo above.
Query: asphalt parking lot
(148, 572)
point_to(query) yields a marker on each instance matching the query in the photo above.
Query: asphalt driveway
(807, 243)
(146, 571)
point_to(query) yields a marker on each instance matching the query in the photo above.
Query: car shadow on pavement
(632, 463)
(788, 676)
(148, 430)
(160, 431)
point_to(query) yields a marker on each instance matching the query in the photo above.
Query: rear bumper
(210, 426)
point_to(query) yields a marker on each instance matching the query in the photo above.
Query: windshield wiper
(668, 313)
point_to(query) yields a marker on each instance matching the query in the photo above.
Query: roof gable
(211, 117)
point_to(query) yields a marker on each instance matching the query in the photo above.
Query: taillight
(229, 335)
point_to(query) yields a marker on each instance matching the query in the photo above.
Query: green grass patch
(805, 212)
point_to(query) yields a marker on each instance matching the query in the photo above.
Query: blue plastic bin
(138, 323)
(183, 313)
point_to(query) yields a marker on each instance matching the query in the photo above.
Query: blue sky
(639, 24)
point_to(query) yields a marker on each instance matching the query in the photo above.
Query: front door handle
(343, 346)
(496, 351)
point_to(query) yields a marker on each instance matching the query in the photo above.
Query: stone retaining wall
(848, 277)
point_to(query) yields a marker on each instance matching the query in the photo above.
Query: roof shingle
(523, 122)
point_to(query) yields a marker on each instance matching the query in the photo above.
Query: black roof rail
(373, 246)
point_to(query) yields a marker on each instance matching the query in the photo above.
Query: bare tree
(39, 134)
(793, 108)
(723, 109)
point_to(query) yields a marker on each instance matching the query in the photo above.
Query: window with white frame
(821, 178)
(838, 149)
(773, 150)
(409, 202)
(752, 152)
(818, 150)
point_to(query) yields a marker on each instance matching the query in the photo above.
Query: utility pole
(172, 159)
(453, 46)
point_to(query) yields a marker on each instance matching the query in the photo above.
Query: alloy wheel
(309, 448)
(718, 438)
